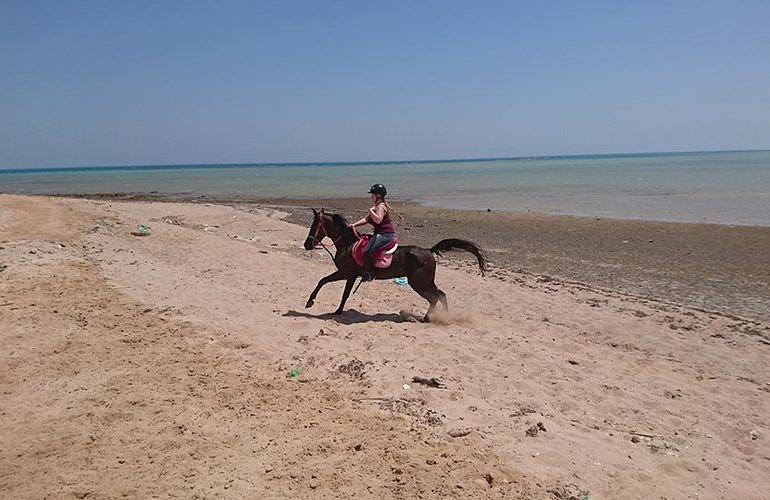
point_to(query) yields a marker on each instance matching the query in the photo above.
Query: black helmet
(378, 189)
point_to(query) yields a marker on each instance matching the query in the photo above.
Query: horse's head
(317, 229)
(333, 226)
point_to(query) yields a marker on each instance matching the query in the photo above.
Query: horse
(416, 263)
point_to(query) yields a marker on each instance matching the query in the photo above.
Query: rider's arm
(377, 212)
(359, 222)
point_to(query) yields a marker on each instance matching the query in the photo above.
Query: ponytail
(390, 209)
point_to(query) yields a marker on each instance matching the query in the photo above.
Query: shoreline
(350, 201)
(711, 267)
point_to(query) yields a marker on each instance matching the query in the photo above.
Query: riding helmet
(378, 189)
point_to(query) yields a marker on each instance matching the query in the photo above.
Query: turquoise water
(716, 187)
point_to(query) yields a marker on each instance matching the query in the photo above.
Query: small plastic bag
(141, 230)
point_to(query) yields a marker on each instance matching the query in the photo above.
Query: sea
(723, 187)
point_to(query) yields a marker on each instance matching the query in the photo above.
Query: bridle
(321, 226)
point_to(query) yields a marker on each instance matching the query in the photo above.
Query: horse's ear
(314, 212)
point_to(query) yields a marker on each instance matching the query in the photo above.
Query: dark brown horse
(416, 263)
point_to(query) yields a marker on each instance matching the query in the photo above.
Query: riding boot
(368, 274)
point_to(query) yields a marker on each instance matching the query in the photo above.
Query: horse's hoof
(309, 304)
(337, 312)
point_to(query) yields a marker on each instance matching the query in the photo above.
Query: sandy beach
(599, 359)
(710, 267)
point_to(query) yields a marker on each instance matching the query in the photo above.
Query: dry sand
(140, 366)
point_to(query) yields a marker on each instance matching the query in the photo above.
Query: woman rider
(384, 231)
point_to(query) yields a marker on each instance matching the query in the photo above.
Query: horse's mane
(345, 231)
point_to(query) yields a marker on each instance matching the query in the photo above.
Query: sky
(176, 82)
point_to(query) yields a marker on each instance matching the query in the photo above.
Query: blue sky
(134, 82)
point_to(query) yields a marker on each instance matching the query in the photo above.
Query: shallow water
(717, 187)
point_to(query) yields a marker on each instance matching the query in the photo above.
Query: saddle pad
(382, 257)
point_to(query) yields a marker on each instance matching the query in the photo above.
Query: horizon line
(380, 162)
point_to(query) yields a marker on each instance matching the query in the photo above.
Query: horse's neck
(337, 233)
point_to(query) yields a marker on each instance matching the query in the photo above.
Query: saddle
(382, 256)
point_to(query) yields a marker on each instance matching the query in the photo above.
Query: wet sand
(708, 266)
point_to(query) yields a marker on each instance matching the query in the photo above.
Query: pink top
(384, 227)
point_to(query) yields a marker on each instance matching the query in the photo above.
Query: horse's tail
(455, 244)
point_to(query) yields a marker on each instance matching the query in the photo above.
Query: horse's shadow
(349, 317)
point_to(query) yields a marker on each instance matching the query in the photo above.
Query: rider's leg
(371, 246)
(375, 242)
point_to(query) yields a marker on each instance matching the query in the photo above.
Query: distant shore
(714, 267)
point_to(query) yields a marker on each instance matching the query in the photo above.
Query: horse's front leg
(345, 294)
(335, 276)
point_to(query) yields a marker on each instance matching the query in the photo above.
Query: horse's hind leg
(436, 296)
(433, 299)
(442, 299)
(423, 282)
(433, 295)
